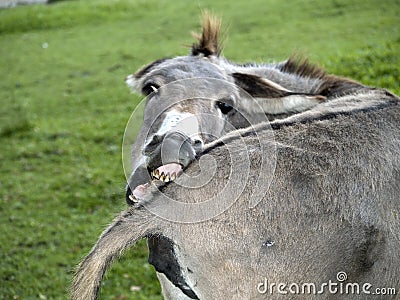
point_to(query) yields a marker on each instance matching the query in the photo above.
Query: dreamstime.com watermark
(340, 287)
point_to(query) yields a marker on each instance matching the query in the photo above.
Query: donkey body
(332, 205)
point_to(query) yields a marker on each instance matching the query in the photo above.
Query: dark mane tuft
(145, 69)
(331, 86)
(303, 68)
(208, 42)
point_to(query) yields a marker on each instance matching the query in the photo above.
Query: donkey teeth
(164, 177)
(167, 178)
(155, 174)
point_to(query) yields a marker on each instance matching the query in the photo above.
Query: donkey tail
(126, 229)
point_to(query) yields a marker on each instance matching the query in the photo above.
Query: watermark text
(338, 286)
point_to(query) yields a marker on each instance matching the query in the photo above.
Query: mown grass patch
(64, 106)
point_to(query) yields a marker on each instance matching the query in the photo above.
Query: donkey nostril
(197, 143)
(154, 142)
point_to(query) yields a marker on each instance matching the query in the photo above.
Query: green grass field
(64, 107)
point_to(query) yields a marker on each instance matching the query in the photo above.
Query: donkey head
(195, 99)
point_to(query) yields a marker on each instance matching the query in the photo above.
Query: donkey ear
(208, 42)
(274, 98)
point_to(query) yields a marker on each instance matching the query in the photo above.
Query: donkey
(222, 96)
(332, 208)
(332, 205)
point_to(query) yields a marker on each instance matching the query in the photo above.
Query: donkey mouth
(175, 151)
(165, 173)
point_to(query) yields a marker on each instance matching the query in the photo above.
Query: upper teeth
(165, 177)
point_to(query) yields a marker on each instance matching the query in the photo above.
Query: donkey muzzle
(173, 147)
(166, 157)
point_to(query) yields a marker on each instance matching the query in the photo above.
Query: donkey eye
(150, 88)
(223, 107)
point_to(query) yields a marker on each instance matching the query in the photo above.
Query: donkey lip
(139, 193)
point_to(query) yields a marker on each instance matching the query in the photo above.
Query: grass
(64, 107)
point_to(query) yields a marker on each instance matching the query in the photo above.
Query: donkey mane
(302, 67)
(331, 86)
(145, 69)
(209, 41)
